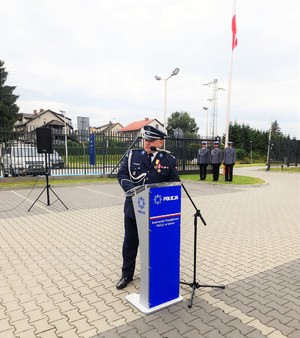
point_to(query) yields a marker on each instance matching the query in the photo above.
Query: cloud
(98, 58)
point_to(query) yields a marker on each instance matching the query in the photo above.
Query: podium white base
(134, 299)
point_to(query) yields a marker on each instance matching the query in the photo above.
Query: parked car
(23, 159)
(55, 161)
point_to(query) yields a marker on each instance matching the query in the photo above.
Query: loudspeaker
(44, 140)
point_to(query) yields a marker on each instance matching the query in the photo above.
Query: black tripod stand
(47, 188)
(194, 284)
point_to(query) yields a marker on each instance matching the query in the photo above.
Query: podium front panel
(164, 244)
(141, 206)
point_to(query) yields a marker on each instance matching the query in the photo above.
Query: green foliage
(247, 138)
(240, 154)
(192, 151)
(183, 121)
(8, 108)
(275, 129)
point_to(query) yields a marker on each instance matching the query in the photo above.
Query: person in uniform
(140, 167)
(216, 160)
(229, 161)
(203, 157)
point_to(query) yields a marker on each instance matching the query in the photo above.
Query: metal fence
(284, 152)
(101, 154)
(81, 153)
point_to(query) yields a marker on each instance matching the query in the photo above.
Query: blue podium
(158, 213)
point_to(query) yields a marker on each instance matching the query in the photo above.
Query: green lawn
(237, 180)
(29, 181)
(287, 169)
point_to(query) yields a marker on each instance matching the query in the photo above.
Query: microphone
(160, 150)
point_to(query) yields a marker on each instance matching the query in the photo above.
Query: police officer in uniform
(203, 157)
(229, 161)
(141, 166)
(216, 160)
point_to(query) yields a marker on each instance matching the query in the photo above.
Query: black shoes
(123, 282)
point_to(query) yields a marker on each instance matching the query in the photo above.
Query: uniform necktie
(150, 158)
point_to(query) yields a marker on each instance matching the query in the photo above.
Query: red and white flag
(234, 32)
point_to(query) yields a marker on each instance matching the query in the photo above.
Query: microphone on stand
(160, 150)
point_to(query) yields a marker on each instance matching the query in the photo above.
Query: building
(135, 129)
(57, 121)
(108, 129)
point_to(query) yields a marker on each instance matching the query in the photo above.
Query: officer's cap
(203, 142)
(230, 142)
(151, 134)
(216, 142)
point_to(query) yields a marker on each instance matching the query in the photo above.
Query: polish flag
(234, 32)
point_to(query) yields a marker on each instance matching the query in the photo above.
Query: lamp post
(158, 78)
(66, 141)
(251, 152)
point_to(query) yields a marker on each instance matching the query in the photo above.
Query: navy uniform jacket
(203, 156)
(229, 156)
(216, 156)
(135, 171)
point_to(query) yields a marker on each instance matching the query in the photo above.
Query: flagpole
(234, 44)
(228, 102)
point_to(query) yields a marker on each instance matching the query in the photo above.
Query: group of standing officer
(215, 157)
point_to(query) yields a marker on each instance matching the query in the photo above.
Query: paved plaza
(59, 267)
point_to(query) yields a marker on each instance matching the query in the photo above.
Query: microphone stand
(194, 284)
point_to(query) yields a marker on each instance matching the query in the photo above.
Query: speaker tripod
(194, 284)
(47, 188)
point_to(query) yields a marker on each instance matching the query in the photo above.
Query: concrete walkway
(59, 267)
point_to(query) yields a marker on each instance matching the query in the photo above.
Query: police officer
(203, 157)
(140, 167)
(229, 161)
(216, 160)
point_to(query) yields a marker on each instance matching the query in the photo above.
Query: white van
(23, 159)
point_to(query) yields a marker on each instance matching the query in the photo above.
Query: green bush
(240, 154)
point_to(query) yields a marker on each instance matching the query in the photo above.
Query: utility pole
(214, 106)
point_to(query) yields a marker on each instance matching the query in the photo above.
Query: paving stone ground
(59, 267)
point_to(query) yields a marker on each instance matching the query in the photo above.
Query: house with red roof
(135, 129)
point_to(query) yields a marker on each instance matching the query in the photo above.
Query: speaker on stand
(45, 146)
(44, 140)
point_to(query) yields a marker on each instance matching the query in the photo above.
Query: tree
(183, 121)
(8, 108)
(249, 139)
(275, 129)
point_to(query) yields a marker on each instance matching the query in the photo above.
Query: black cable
(24, 199)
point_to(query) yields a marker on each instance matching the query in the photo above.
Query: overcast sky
(98, 59)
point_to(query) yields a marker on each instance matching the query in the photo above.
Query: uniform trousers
(216, 171)
(228, 172)
(130, 246)
(203, 170)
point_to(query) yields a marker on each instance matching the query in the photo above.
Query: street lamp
(158, 78)
(251, 152)
(66, 141)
